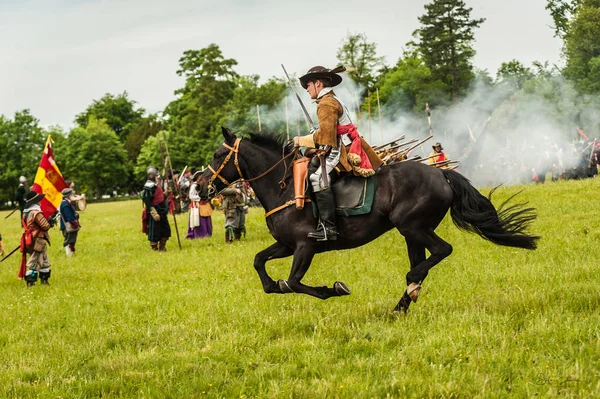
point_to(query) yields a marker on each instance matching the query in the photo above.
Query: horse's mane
(269, 141)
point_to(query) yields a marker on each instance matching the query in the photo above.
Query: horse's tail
(473, 212)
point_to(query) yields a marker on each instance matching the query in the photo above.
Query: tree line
(114, 139)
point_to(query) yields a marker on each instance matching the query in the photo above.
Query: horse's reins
(235, 150)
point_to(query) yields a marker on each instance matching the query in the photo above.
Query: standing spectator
(20, 195)
(185, 182)
(200, 211)
(37, 226)
(69, 221)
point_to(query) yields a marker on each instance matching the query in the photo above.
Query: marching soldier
(337, 144)
(157, 209)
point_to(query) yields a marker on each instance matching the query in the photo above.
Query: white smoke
(499, 134)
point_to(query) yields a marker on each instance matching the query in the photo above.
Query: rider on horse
(337, 145)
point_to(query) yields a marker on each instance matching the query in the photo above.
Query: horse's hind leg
(303, 256)
(416, 255)
(275, 251)
(438, 248)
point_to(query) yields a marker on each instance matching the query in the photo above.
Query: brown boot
(154, 246)
(162, 245)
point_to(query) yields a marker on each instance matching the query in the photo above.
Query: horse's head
(224, 166)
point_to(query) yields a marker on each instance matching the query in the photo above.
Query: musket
(174, 186)
(418, 144)
(379, 147)
(424, 159)
(393, 150)
(443, 163)
(306, 114)
(13, 211)
(11, 252)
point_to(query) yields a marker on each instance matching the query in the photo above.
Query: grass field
(121, 321)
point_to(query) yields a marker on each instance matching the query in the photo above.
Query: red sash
(356, 146)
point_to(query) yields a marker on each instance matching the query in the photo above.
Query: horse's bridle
(235, 150)
(232, 150)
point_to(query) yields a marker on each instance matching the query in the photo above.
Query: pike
(174, 186)
(378, 147)
(429, 118)
(13, 211)
(306, 114)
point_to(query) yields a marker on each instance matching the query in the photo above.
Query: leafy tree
(148, 126)
(561, 12)
(514, 73)
(119, 112)
(95, 158)
(582, 47)
(360, 56)
(22, 141)
(408, 86)
(444, 41)
(194, 117)
(241, 109)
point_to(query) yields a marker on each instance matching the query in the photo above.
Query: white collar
(34, 207)
(324, 91)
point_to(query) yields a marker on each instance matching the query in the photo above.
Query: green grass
(122, 321)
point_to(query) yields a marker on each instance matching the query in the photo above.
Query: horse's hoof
(413, 290)
(341, 288)
(284, 287)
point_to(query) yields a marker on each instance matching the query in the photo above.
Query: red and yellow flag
(49, 181)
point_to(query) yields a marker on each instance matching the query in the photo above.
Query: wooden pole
(287, 123)
(174, 185)
(369, 114)
(379, 112)
(258, 114)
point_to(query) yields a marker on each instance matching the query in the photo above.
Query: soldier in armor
(157, 209)
(36, 227)
(235, 207)
(336, 145)
(20, 195)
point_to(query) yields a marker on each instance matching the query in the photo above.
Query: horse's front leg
(303, 256)
(275, 251)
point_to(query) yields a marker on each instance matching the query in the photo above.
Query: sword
(306, 114)
(11, 252)
(13, 211)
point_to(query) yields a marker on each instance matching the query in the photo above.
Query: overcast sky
(57, 56)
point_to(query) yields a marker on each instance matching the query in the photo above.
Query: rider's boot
(326, 230)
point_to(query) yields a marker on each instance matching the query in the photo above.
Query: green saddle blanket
(353, 195)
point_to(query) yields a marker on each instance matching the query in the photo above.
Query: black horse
(410, 196)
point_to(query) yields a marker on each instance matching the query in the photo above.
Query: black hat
(32, 198)
(322, 73)
(438, 144)
(197, 174)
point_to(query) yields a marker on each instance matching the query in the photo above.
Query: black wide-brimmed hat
(32, 198)
(438, 144)
(322, 73)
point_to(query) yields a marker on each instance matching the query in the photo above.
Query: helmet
(151, 172)
(22, 179)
